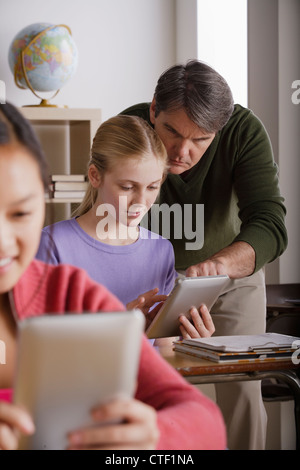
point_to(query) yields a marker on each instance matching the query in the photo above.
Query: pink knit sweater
(186, 418)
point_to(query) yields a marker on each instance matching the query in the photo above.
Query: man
(220, 156)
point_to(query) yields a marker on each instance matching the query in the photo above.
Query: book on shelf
(70, 185)
(68, 194)
(65, 178)
(241, 348)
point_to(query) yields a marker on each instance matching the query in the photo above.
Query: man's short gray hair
(198, 89)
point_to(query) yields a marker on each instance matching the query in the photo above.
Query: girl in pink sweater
(167, 412)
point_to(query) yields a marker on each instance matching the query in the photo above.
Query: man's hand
(236, 260)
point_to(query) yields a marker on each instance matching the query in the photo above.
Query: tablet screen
(188, 292)
(69, 364)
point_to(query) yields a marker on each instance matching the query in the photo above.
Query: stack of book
(68, 186)
(264, 347)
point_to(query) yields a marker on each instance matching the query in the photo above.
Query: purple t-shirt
(127, 271)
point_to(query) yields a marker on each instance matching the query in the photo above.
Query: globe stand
(45, 104)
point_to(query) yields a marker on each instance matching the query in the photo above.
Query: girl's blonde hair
(117, 139)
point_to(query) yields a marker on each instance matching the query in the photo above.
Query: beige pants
(241, 309)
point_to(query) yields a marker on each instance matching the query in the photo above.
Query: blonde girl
(127, 167)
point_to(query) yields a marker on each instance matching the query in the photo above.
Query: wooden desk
(201, 371)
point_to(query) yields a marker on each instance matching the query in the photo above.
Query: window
(222, 42)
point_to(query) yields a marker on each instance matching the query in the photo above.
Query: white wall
(274, 63)
(289, 126)
(123, 45)
(186, 30)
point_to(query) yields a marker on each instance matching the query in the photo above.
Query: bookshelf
(66, 135)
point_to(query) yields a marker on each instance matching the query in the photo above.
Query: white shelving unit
(66, 136)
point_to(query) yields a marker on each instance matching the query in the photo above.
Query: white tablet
(68, 364)
(188, 292)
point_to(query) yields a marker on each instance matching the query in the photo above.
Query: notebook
(243, 343)
(240, 348)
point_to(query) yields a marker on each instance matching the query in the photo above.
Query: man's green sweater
(237, 182)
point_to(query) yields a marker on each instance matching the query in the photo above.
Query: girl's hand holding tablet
(13, 422)
(145, 303)
(133, 427)
(202, 325)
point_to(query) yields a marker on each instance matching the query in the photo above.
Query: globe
(43, 57)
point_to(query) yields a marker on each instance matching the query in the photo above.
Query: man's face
(185, 142)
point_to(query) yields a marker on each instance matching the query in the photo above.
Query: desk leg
(287, 376)
(291, 379)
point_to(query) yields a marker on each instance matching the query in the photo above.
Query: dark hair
(15, 128)
(198, 89)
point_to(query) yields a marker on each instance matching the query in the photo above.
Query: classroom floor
(281, 433)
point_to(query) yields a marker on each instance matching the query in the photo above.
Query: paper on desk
(241, 343)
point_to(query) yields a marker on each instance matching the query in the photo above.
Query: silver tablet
(68, 364)
(187, 292)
